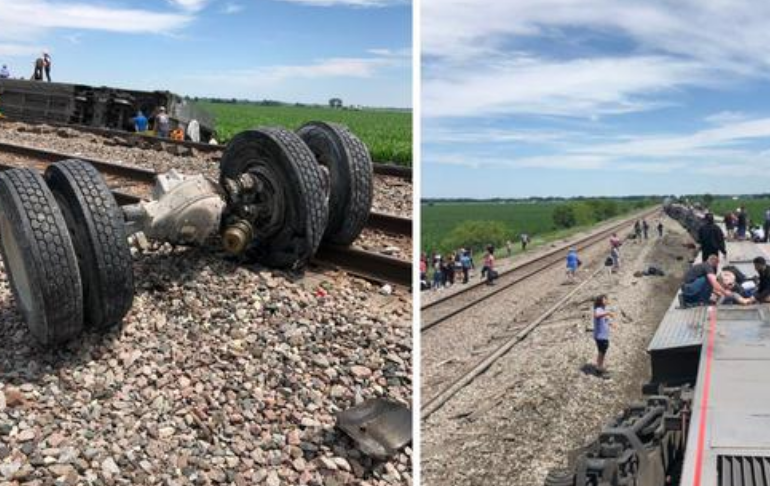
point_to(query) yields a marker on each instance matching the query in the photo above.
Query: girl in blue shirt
(602, 325)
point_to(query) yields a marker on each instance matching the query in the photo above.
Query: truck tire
(295, 194)
(350, 176)
(39, 257)
(98, 232)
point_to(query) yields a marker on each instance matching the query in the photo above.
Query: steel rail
(369, 265)
(531, 268)
(380, 168)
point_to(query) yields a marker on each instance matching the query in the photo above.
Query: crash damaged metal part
(185, 210)
(644, 446)
(379, 427)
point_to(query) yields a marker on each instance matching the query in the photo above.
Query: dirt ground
(529, 410)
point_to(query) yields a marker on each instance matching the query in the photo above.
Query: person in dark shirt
(711, 238)
(762, 295)
(701, 281)
(743, 223)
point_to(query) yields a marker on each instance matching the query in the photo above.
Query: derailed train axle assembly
(64, 239)
(644, 446)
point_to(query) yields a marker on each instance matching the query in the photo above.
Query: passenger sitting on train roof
(4, 72)
(701, 281)
(729, 281)
(762, 295)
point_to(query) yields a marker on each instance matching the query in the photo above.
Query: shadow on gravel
(23, 360)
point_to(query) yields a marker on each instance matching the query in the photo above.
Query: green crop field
(441, 223)
(756, 207)
(387, 133)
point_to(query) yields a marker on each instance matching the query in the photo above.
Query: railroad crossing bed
(725, 351)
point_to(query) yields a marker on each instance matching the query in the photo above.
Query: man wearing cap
(162, 123)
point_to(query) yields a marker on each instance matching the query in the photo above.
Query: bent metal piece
(379, 427)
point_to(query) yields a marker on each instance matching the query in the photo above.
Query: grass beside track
(755, 207)
(535, 219)
(387, 133)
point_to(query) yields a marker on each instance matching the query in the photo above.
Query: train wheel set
(64, 239)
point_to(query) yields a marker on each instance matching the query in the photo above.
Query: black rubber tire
(96, 225)
(304, 191)
(559, 477)
(39, 258)
(350, 176)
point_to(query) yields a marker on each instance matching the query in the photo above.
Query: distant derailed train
(102, 107)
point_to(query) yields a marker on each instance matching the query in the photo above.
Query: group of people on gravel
(439, 272)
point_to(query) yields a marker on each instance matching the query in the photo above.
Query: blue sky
(595, 97)
(290, 50)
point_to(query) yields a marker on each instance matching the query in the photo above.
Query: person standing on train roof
(4, 72)
(700, 282)
(47, 65)
(743, 223)
(710, 238)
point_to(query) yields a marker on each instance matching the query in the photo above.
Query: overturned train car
(101, 107)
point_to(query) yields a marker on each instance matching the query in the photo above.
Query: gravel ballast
(222, 374)
(532, 407)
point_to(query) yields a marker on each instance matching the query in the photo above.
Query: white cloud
(232, 8)
(189, 5)
(577, 88)
(18, 50)
(349, 3)
(32, 17)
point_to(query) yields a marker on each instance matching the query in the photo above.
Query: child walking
(573, 262)
(602, 325)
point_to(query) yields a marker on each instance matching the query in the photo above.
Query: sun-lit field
(388, 134)
(448, 226)
(755, 207)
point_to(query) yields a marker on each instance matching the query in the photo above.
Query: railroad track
(139, 140)
(464, 378)
(436, 312)
(131, 185)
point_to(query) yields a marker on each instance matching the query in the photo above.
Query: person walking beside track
(615, 251)
(162, 123)
(660, 229)
(467, 264)
(645, 228)
(488, 270)
(638, 230)
(573, 262)
(710, 238)
(524, 241)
